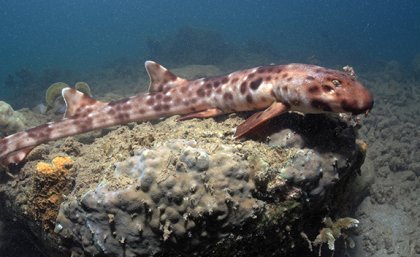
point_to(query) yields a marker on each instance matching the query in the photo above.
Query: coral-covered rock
(189, 188)
(174, 195)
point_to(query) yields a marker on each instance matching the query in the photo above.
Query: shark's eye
(327, 89)
(336, 82)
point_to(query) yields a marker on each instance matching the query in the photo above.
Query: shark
(269, 91)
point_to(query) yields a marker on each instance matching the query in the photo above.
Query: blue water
(86, 35)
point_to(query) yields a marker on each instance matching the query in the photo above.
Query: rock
(188, 188)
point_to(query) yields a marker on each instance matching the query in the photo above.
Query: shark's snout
(362, 102)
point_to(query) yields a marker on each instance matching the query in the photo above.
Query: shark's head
(325, 90)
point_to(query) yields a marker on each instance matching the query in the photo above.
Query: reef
(186, 188)
(10, 121)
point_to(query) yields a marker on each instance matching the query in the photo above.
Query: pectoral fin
(260, 118)
(16, 157)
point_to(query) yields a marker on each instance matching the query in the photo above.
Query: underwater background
(105, 43)
(45, 41)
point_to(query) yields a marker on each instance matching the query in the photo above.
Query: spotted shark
(269, 90)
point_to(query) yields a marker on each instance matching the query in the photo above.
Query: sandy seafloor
(389, 210)
(390, 213)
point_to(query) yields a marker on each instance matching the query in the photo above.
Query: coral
(49, 184)
(171, 194)
(332, 231)
(10, 120)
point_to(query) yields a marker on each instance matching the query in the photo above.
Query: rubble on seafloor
(186, 188)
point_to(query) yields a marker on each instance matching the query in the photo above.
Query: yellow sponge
(58, 164)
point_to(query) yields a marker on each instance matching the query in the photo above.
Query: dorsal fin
(78, 103)
(161, 78)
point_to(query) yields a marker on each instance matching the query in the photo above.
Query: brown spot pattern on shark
(255, 84)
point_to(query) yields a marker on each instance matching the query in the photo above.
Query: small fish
(270, 90)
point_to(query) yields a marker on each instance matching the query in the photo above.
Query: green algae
(54, 91)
